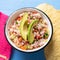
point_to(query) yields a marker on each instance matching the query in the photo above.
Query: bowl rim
(31, 50)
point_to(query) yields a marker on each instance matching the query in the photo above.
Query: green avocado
(30, 35)
(23, 26)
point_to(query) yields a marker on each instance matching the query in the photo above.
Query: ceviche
(29, 30)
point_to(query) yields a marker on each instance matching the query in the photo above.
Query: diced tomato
(20, 39)
(23, 47)
(38, 36)
(19, 18)
(34, 12)
(35, 30)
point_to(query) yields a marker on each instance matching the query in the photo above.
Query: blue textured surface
(8, 6)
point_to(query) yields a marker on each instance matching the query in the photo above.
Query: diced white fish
(21, 14)
(36, 15)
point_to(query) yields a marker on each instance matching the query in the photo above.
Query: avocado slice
(23, 26)
(30, 35)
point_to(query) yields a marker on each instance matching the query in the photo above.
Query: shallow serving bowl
(14, 15)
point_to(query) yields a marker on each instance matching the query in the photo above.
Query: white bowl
(14, 15)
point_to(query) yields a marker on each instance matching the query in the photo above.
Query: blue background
(8, 6)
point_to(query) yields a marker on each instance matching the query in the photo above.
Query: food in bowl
(28, 29)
